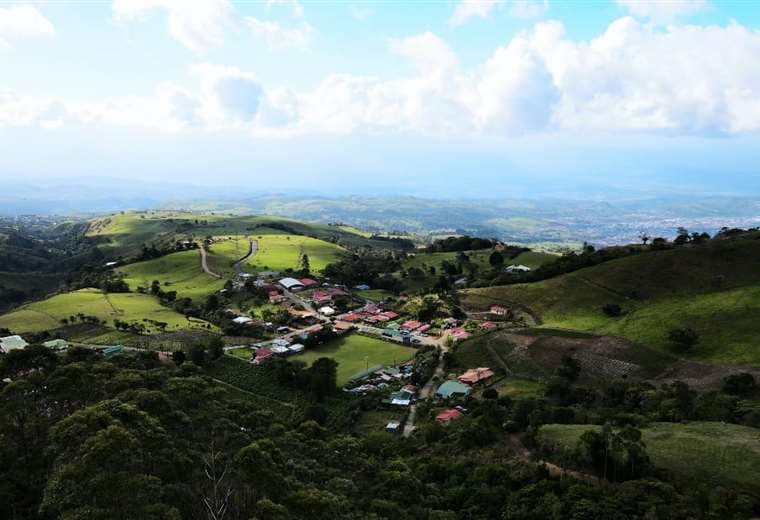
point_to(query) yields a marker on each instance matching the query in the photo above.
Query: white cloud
(295, 6)
(467, 9)
(633, 77)
(529, 8)
(662, 10)
(22, 21)
(196, 24)
(277, 36)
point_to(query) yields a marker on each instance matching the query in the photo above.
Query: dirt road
(204, 264)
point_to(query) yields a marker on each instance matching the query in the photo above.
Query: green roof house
(453, 389)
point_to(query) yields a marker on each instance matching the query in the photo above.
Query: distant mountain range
(534, 221)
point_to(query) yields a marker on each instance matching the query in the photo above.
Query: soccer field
(355, 353)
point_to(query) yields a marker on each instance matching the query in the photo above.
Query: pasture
(130, 307)
(355, 353)
(179, 272)
(707, 452)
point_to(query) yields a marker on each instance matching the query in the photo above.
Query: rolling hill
(713, 288)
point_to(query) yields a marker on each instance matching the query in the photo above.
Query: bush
(613, 310)
(739, 384)
(684, 338)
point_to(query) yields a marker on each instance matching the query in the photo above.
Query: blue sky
(508, 97)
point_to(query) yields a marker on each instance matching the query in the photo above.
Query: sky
(446, 98)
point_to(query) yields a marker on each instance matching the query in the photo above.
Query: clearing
(709, 452)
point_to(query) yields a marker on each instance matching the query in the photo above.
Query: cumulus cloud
(295, 6)
(529, 8)
(196, 24)
(277, 36)
(22, 21)
(662, 10)
(467, 9)
(633, 77)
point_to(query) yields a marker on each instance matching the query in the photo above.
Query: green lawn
(179, 272)
(375, 294)
(130, 307)
(354, 353)
(709, 452)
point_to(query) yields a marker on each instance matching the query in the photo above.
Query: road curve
(253, 247)
(204, 263)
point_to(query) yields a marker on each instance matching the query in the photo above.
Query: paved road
(425, 392)
(204, 264)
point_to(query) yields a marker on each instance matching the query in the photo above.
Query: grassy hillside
(130, 307)
(125, 233)
(179, 272)
(708, 452)
(712, 288)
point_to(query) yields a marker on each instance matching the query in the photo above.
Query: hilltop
(711, 287)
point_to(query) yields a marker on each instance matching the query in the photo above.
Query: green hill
(130, 307)
(717, 454)
(713, 288)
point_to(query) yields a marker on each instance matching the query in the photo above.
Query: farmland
(708, 452)
(355, 353)
(130, 307)
(179, 272)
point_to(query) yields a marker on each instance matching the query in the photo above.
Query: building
(112, 350)
(362, 287)
(342, 326)
(242, 320)
(320, 297)
(326, 311)
(309, 282)
(488, 325)
(453, 389)
(56, 344)
(393, 426)
(517, 268)
(411, 325)
(296, 348)
(475, 375)
(459, 334)
(9, 343)
(498, 310)
(402, 398)
(291, 284)
(446, 416)
(262, 356)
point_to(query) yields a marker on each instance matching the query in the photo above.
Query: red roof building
(321, 297)
(350, 317)
(262, 355)
(488, 325)
(447, 416)
(410, 325)
(309, 282)
(459, 334)
(389, 314)
(426, 327)
(475, 375)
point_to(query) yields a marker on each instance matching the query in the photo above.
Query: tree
(739, 384)
(178, 357)
(305, 263)
(216, 348)
(570, 368)
(613, 310)
(496, 259)
(323, 377)
(212, 303)
(490, 393)
(198, 355)
(684, 338)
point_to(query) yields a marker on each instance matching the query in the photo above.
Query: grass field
(714, 289)
(375, 294)
(130, 307)
(179, 272)
(709, 452)
(532, 259)
(354, 353)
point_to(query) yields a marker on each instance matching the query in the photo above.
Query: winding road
(253, 247)
(204, 263)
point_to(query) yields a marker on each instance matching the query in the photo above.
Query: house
(446, 416)
(9, 343)
(291, 284)
(280, 349)
(517, 268)
(242, 320)
(426, 327)
(401, 398)
(411, 325)
(475, 375)
(296, 348)
(393, 426)
(362, 287)
(498, 310)
(372, 309)
(453, 389)
(280, 342)
(276, 297)
(314, 329)
(112, 350)
(336, 292)
(342, 326)
(326, 311)
(389, 314)
(263, 355)
(309, 282)
(298, 314)
(459, 334)
(56, 344)
(488, 325)
(320, 297)
(351, 317)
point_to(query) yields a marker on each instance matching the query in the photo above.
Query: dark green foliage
(613, 310)
(739, 384)
(683, 338)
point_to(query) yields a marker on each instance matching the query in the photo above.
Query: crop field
(179, 272)
(129, 307)
(709, 452)
(355, 353)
